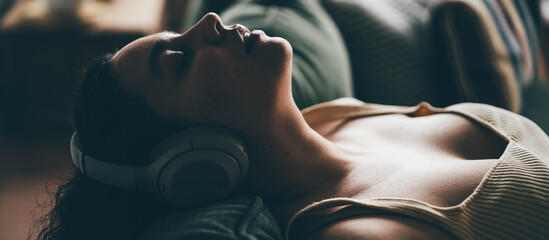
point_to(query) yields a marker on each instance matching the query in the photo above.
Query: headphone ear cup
(199, 177)
(196, 166)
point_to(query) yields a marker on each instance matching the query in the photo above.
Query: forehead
(139, 47)
(131, 62)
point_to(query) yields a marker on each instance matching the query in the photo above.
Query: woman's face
(211, 74)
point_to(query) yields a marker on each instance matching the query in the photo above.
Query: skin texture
(216, 70)
(291, 163)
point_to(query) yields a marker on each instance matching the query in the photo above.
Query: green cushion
(240, 217)
(320, 65)
(389, 48)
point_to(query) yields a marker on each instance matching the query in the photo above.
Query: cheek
(217, 76)
(213, 90)
(218, 67)
(223, 89)
(225, 76)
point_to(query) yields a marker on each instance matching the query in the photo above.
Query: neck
(288, 159)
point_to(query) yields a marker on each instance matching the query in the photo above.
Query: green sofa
(398, 52)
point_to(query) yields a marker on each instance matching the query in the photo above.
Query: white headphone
(195, 166)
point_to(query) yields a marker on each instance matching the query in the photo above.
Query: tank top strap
(320, 214)
(345, 108)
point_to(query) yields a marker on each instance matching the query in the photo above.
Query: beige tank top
(511, 202)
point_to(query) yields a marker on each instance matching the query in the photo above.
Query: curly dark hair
(118, 127)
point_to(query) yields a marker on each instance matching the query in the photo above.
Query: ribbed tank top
(511, 202)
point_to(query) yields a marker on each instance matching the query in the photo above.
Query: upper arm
(380, 227)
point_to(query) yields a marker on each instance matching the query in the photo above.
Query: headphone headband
(110, 174)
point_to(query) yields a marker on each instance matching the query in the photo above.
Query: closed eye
(186, 61)
(173, 62)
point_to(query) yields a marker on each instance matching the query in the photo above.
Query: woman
(373, 171)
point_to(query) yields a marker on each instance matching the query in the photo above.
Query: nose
(208, 29)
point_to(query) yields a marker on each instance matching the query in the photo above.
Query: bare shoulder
(380, 227)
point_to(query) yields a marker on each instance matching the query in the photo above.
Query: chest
(437, 134)
(439, 159)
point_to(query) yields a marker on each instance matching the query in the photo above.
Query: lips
(250, 40)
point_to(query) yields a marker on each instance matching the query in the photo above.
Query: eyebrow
(158, 48)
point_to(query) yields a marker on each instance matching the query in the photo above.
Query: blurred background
(44, 47)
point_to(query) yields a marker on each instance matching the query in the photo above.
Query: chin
(275, 55)
(284, 46)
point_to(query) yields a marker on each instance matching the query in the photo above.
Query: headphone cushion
(198, 177)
